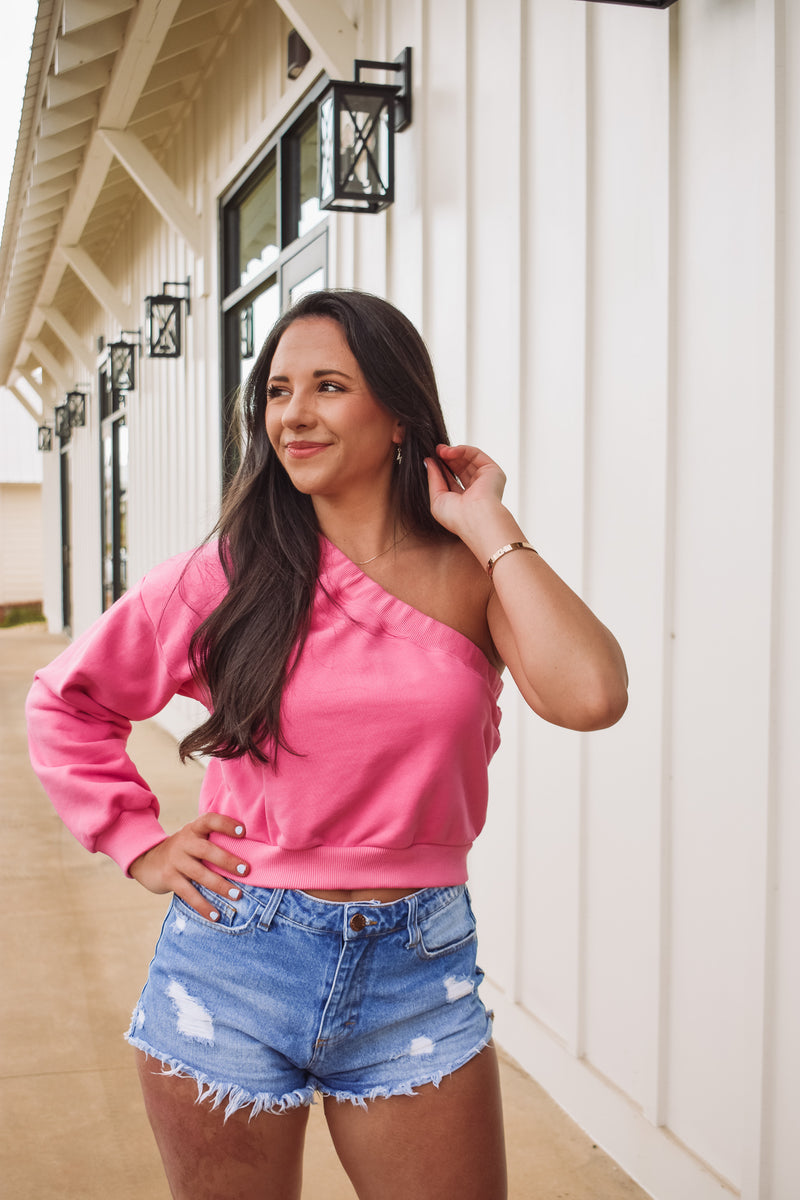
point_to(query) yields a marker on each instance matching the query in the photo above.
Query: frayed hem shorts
(287, 995)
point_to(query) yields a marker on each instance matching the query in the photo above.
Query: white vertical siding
(595, 229)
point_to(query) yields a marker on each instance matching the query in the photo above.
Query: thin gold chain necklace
(381, 553)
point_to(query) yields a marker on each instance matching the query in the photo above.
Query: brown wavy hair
(268, 538)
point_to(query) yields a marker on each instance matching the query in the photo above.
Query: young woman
(346, 630)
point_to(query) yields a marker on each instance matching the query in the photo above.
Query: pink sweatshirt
(394, 717)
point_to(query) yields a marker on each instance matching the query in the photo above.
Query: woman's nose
(297, 413)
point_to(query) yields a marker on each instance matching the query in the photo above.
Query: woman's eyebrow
(315, 374)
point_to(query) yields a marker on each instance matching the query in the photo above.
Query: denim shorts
(287, 995)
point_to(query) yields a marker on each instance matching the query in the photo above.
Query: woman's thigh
(206, 1157)
(440, 1142)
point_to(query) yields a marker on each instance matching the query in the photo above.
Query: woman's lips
(305, 449)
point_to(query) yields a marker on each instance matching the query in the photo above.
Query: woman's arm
(567, 665)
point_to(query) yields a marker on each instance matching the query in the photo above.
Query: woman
(347, 631)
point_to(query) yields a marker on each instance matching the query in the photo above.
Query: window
(274, 248)
(113, 490)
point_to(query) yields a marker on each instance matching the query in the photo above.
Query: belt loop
(413, 925)
(270, 908)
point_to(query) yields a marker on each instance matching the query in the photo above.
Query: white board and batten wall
(596, 230)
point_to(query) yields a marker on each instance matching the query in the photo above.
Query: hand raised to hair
(179, 862)
(464, 504)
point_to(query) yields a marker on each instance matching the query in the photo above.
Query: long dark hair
(267, 533)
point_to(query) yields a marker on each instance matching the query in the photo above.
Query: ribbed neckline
(405, 619)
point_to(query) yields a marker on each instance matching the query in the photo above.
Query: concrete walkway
(76, 942)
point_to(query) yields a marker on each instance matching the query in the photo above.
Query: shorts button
(358, 922)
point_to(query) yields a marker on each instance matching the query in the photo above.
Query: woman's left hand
(465, 485)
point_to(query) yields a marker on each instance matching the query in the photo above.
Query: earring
(398, 455)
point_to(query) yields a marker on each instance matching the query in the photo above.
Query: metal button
(358, 922)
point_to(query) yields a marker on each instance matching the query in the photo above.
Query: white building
(20, 504)
(596, 229)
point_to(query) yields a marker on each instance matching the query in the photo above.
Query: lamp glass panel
(165, 327)
(327, 168)
(62, 422)
(76, 403)
(364, 133)
(45, 438)
(258, 226)
(122, 379)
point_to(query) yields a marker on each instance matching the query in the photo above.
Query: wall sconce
(246, 333)
(63, 427)
(357, 124)
(45, 438)
(163, 320)
(640, 3)
(297, 55)
(76, 408)
(121, 361)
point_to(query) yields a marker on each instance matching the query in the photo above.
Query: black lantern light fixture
(45, 438)
(76, 407)
(122, 362)
(357, 124)
(163, 320)
(63, 427)
(640, 3)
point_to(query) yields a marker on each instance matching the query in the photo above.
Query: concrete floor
(76, 943)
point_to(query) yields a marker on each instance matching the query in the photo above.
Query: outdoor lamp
(63, 427)
(121, 362)
(76, 408)
(45, 438)
(163, 320)
(357, 124)
(640, 3)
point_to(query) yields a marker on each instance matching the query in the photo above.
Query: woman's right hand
(179, 862)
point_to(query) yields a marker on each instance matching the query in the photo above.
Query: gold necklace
(381, 553)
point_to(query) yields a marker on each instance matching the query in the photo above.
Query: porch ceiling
(133, 65)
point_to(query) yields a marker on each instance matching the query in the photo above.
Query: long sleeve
(124, 668)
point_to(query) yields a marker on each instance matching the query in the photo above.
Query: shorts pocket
(448, 929)
(234, 918)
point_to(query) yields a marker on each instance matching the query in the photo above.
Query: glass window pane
(266, 310)
(314, 282)
(258, 226)
(122, 504)
(310, 214)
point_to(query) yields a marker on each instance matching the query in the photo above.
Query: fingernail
(242, 867)
(213, 915)
(234, 893)
(239, 830)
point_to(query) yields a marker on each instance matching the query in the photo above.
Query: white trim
(650, 1155)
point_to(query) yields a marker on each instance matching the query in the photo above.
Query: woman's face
(330, 433)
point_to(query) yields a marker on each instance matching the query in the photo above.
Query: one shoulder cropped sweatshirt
(392, 716)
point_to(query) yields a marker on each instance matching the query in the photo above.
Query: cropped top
(392, 717)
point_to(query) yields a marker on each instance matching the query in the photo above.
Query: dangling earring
(398, 455)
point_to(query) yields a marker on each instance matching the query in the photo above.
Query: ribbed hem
(349, 866)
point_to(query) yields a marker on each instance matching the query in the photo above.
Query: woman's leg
(208, 1158)
(442, 1142)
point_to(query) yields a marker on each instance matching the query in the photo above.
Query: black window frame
(283, 150)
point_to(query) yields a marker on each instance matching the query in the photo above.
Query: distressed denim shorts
(287, 995)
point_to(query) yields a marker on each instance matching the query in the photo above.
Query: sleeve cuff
(132, 834)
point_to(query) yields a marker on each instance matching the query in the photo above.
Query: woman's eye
(328, 385)
(273, 391)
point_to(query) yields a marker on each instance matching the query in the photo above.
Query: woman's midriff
(382, 895)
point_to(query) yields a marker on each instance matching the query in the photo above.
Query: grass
(20, 614)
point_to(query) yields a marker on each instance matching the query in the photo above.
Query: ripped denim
(288, 995)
